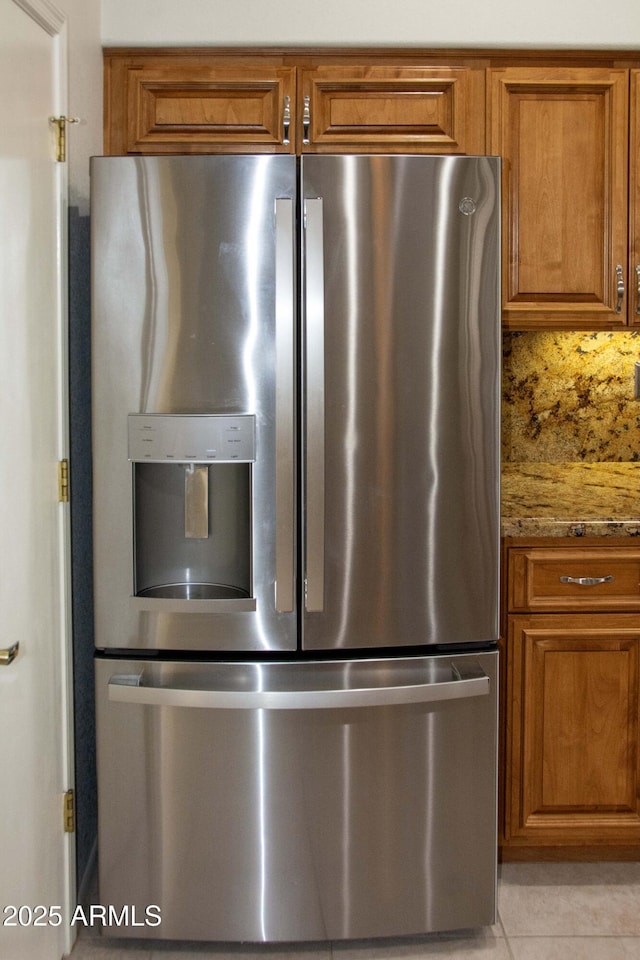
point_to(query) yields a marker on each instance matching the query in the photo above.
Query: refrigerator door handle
(285, 466)
(122, 690)
(314, 405)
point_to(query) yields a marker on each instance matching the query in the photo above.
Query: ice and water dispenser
(192, 506)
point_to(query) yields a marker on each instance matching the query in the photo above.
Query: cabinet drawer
(581, 579)
(394, 108)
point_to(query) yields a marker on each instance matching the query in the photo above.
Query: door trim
(45, 14)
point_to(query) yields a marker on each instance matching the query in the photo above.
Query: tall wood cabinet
(572, 702)
(177, 101)
(568, 137)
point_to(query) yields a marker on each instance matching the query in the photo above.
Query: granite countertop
(571, 499)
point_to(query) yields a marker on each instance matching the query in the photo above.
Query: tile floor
(547, 911)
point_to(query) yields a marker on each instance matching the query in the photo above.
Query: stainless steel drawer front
(316, 784)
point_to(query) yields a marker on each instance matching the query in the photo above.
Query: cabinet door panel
(634, 202)
(394, 108)
(563, 135)
(572, 741)
(198, 104)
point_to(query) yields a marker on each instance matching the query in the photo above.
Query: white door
(36, 856)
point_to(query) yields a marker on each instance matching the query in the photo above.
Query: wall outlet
(636, 390)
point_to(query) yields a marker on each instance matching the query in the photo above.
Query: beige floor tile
(236, 951)
(570, 899)
(90, 948)
(484, 945)
(568, 948)
(632, 947)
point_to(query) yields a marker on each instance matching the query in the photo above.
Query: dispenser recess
(192, 513)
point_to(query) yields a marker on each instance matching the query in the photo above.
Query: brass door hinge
(63, 481)
(61, 135)
(69, 812)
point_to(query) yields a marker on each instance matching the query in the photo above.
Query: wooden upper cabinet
(563, 134)
(392, 108)
(199, 102)
(158, 103)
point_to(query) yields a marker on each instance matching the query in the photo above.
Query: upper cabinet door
(564, 138)
(634, 202)
(392, 108)
(172, 101)
(195, 103)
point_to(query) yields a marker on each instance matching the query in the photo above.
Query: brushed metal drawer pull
(587, 581)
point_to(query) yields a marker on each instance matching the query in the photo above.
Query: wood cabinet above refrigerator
(201, 102)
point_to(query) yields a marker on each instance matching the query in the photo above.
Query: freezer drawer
(306, 801)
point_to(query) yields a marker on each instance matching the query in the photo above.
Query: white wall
(84, 92)
(427, 23)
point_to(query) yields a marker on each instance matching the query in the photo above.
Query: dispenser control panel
(201, 438)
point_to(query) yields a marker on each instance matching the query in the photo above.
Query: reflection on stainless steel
(192, 243)
(411, 401)
(315, 408)
(194, 591)
(285, 496)
(409, 385)
(328, 823)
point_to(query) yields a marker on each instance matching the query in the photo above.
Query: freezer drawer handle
(587, 581)
(122, 691)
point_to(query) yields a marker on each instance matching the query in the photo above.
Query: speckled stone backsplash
(569, 397)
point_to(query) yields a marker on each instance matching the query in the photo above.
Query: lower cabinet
(571, 747)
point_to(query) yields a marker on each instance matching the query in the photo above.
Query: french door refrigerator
(296, 499)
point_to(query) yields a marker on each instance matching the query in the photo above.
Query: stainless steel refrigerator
(296, 530)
